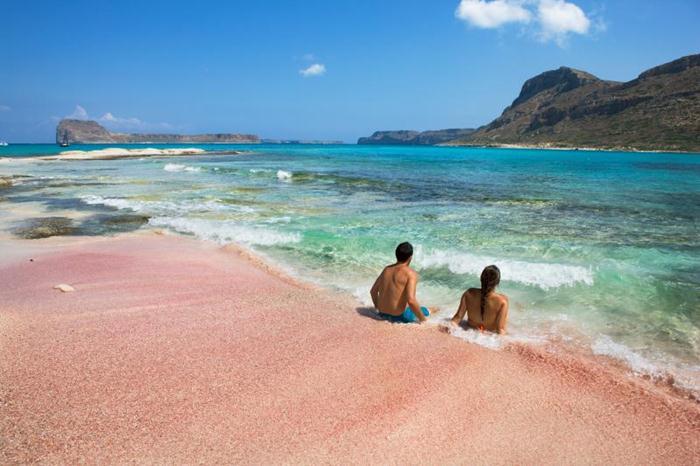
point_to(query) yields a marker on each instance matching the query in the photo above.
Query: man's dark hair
(404, 251)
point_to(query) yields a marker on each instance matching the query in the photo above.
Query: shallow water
(601, 248)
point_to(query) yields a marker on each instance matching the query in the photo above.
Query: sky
(311, 69)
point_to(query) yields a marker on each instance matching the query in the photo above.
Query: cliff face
(415, 137)
(90, 132)
(77, 131)
(659, 110)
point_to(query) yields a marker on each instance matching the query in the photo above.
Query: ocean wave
(176, 167)
(283, 175)
(681, 375)
(224, 232)
(540, 274)
(485, 339)
(605, 346)
(164, 207)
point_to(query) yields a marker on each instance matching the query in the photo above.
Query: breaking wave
(165, 207)
(224, 232)
(540, 274)
(283, 175)
(176, 167)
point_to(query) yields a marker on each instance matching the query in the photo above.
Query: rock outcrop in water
(659, 110)
(428, 138)
(90, 132)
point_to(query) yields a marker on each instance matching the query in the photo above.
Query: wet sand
(172, 350)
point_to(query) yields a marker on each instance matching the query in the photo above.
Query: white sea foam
(541, 274)
(224, 232)
(605, 346)
(164, 207)
(176, 167)
(117, 203)
(283, 175)
(485, 339)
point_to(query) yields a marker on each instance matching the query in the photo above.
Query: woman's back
(484, 308)
(495, 315)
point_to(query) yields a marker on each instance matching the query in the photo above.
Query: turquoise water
(599, 249)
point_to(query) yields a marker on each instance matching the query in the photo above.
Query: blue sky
(183, 66)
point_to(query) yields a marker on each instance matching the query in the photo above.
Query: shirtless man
(484, 308)
(394, 291)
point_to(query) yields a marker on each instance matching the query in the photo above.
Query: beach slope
(172, 350)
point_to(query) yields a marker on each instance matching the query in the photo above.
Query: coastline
(175, 349)
(546, 146)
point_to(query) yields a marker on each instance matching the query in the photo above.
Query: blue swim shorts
(408, 317)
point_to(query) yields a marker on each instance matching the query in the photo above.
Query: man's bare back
(394, 291)
(393, 288)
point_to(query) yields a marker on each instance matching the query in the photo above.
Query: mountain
(659, 110)
(90, 132)
(415, 137)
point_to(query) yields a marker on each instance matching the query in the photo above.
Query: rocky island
(658, 110)
(90, 132)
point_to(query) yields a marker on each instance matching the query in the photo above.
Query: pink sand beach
(172, 350)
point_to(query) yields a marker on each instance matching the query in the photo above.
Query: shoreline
(546, 146)
(136, 291)
(543, 146)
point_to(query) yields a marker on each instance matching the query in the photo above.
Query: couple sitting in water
(394, 296)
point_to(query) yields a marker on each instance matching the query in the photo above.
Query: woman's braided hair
(490, 278)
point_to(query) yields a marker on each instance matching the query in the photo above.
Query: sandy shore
(114, 153)
(176, 351)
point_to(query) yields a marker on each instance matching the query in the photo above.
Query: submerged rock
(109, 224)
(45, 227)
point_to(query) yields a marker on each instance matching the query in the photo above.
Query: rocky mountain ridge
(658, 110)
(415, 137)
(71, 131)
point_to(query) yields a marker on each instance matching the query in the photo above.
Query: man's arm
(502, 319)
(374, 292)
(412, 301)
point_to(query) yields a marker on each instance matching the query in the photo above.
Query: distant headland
(567, 108)
(90, 132)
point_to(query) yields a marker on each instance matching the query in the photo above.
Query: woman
(485, 309)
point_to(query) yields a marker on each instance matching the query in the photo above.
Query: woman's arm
(461, 310)
(502, 318)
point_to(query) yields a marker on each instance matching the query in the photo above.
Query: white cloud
(558, 18)
(122, 122)
(317, 69)
(492, 14)
(78, 114)
(554, 19)
(5, 108)
(114, 122)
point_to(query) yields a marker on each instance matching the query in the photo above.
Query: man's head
(404, 252)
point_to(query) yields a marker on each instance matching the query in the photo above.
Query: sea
(598, 250)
